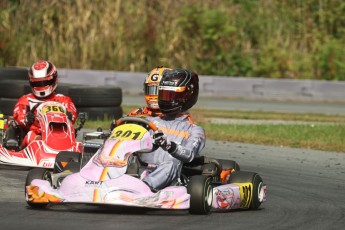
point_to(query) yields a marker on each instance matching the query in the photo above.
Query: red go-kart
(57, 134)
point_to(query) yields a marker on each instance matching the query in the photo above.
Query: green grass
(318, 137)
(322, 132)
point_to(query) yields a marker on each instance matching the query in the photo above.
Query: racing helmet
(178, 91)
(151, 87)
(43, 78)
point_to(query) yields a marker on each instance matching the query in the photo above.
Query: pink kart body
(103, 180)
(57, 134)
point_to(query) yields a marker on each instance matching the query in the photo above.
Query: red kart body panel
(57, 134)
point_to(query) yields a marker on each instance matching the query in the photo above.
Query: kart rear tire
(257, 183)
(201, 194)
(67, 160)
(37, 173)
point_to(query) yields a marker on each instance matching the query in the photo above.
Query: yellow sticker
(52, 109)
(2, 122)
(246, 193)
(128, 132)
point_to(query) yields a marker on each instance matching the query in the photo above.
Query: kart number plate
(52, 109)
(128, 132)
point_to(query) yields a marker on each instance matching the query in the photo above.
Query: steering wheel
(137, 120)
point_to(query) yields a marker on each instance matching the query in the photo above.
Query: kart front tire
(201, 195)
(257, 183)
(37, 173)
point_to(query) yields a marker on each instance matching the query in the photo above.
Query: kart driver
(151, 84)
(179, 138)
(43, 78)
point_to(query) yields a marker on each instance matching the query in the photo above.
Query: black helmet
(178, 91)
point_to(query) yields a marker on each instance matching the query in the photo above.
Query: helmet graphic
(178, 91)
(151, 87)
(43, 78)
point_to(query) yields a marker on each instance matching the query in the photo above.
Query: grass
(314, 131)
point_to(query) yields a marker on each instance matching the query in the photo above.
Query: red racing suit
(28, 101)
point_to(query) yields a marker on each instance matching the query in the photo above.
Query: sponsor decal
(155, 77)
(48, 164)
(90, 183)
(225, 198)
(246, 194)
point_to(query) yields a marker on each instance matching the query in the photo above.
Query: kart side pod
(245, 190)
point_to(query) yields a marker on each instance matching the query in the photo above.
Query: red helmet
(151, 87)
(43, 78)
(178, 91)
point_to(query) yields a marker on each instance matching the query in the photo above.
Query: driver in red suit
(43, 78)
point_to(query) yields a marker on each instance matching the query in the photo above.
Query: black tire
(13, 73)
(253, 195)
(7, 106)
(37, 173)
(201, 195)
(229, 164)
(14, 88)
(65, 88)
(67, 160)
(102, 113)
(87, 96)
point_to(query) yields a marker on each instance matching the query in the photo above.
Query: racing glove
(29, 118)
(160, 139)
(69, 116)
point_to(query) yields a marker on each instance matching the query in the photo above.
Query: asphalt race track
(306, 190)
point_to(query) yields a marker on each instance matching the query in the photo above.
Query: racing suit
(144, 111)
(27, 102)
(164, 167)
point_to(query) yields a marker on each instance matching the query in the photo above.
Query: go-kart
(57, 134)
(105, 179)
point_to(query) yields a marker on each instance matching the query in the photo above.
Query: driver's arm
(19, 111)
(67, 102)
(190, 147)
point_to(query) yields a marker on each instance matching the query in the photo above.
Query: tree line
(294, 39)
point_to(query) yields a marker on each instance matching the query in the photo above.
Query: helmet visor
(168, 93)
(151, 90)
(41, 82)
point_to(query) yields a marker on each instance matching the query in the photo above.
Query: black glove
(69, 115)
(29, 118)
(161, 140)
